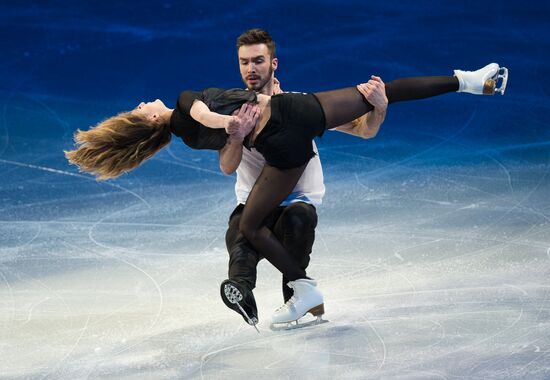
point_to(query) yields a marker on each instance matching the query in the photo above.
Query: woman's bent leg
(271, 188)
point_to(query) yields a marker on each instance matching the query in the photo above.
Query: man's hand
(375, 93)
(243, 121)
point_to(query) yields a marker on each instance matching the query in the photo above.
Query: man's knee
(298, 220)
(296, 230)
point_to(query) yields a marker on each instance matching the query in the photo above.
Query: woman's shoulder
(231, 93)
(225, 101)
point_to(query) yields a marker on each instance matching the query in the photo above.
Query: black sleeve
(194, 134)
(186, 100)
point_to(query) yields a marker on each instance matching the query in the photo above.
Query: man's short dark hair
(257, 36)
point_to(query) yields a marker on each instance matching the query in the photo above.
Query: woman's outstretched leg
(347, 104)
(344, 105)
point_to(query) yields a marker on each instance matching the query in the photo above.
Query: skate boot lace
(288, 304)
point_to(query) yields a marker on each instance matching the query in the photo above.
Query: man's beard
(260, 86)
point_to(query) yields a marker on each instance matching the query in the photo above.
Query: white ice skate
(306, 299)
(483, 81)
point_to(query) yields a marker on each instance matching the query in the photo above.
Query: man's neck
(267, 89)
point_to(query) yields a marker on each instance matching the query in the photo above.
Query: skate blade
(502, 74)
(490, 86)
(293, 325)
(251, 322)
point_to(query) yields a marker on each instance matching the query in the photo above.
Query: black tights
(273, 185)
(347, 104)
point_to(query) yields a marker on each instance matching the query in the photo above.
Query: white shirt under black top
(309, 189)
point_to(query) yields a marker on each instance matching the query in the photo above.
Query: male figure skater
(294, 221)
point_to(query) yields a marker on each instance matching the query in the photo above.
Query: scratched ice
(433, 244)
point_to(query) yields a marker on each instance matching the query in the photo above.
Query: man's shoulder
(294, 92)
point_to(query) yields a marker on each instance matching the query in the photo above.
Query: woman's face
(151, 110)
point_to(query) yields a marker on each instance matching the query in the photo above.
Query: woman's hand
(276, 86)
(375, 92)
(243, 121)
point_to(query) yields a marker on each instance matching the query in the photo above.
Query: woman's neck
(166, 115)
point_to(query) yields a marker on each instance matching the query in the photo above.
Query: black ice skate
(237, 297)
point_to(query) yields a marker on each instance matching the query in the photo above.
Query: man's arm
(230, 155)
(245, 120)
(367, 126)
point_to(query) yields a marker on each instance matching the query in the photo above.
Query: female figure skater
(286, 125)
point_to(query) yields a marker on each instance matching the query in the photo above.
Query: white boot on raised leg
(482, 81)
(306, 299)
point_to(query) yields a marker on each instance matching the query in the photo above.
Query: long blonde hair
(118, 144)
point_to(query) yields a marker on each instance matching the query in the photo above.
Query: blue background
(68, 65)
(89, 59)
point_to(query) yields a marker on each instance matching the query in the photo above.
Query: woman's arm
(201, 113)
(367, 126)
